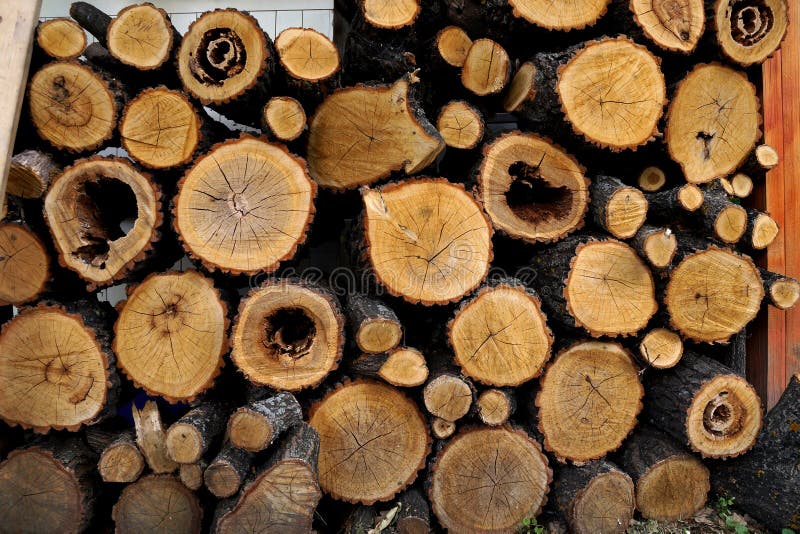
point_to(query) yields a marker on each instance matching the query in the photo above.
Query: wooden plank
(18, 19)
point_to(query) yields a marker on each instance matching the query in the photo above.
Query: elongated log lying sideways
(461, 278)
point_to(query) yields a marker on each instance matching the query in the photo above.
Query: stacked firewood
(489, 261)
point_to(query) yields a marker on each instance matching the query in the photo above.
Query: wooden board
(18, 19)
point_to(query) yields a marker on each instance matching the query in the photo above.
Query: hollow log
(374, 325)
(255, 426)
(284, 117)
(191, 436)
(673, 26)
(152, 439)
(781, 291)
(496, 406)
(157, 503)
(400, 367)
(224, 475)
(617, 208)
(31, 173)
(60, 38)
(749, 32)
(121, 460)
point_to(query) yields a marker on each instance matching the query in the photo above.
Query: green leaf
(526, 522)
(787, 531)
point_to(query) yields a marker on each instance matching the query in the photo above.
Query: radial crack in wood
(576, 15)
(141, 36)
(487, 68)
(661, 348)
(157, 503)
(24, 264)
(460, 125)
(674, 26)
(61, 38)
(307, 54)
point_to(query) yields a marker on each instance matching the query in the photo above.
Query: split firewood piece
(670, 204)
(191, 436)
(255, 426)
(673, 26)
(72, 107)
(671, 484)
(56, 367)
(427, 239)
(712, 294)
(284, 117)
(617, 208)
(522, 88)
(374, 325)
(192, 474)
(487, 68)
(532, 189)
(703, 403)
(288, 335)
(661, 348)
(441, 429)
(373, 441)
(225, 474)
(761, 230)
(713, 122)
(500, 336)
(152, 439)
(284, 493)
(452, 45)
(121, 460)
(657, 245)
(171, 334)
(496, 406)
(460, 125)
(601, 285)
(723, 219)
(243, 216)
(61, 38)
(48, 487)
(597, 497)
(85, 207)
(543, 13)
(310, 60)
(390, 14)
(448, 396)
(589, 399)
(348, 148)
(742, 185)
(613, 93)
(783, 292)
(160, 128)
(765, 481)
(31, 173)
(651, 180)
(403, 367)
(24, 264)
(488, 480)
(749, 31)
(157, 503)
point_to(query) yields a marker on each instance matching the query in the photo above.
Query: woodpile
(489, 260)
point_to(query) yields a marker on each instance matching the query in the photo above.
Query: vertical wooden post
(18, 19)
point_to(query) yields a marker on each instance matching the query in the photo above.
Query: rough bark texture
(191, 436)
(255, 426)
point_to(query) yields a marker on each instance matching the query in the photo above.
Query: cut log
(48, 488)
(597, 497)
(452, 46)
(651, 180)
(496, 406)
(673, 26)
(24, 264)
(722, 218)
(704, 404)
(61, 38)
(522, 88)
(285, 492)
(348, 148)
(441, 429)
(488, 480)
(255, 426)
(713, 122)
(360, 520)
(671, 204)
(500, 336)
(617, 208)
(121, 460)
(487, 68)
(373, 441)
(655, 244)
(374, 325)
(783, 292)
(601, 285)
(85, 208)
(712, 294)
(671, 484)
(661, 348)
(749, 31)
(171, 335)
(613, 93)
(428, 240)
(414, 516)
(192, 474)
(157, 503)
(310, 60)
(288, 335)
(766, 482)
(532, 189)
(403, 367)
(56, 367)
(460, 125)
(589, 399)
(72, 107)
(761, 230)
(152, 439)
(142, 37)
(742, 185)
(448, 396)
(225, 474)
(31, 173)
(390, 14)
(578, 15)
(764, 157)
(241, 217)
(284, 117)
(160, 128)
(91, 19)
(192, 436)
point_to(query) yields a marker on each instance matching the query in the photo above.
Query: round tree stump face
(489, 480)
(307, 54)
(675, 26)
(501, 337)
(453, 44)
(52, 371)
(589, 399)
(285, 117)
(373, 440)
(391, 14)
(682, 477)
(749, 31)
(605, 505)
(61, 38)
(157, 503)
(140, 36)
(574, 15)
(24, 265)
